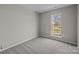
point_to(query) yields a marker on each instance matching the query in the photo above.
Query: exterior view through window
(56, 25)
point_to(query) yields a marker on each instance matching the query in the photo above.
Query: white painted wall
(78, 25)
(69, 23)
(17, 24)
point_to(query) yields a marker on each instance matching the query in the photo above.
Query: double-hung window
(56, 25)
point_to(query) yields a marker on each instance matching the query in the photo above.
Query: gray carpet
(42, 46)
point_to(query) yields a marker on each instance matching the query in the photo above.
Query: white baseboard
(30, 38)
(61, 40)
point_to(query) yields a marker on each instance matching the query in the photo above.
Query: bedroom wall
(17, 24)
(78, 24)
(69, 24)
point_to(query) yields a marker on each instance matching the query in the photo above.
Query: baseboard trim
(18, 43)
(62, 41)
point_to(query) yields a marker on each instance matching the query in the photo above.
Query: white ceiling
(44, 7)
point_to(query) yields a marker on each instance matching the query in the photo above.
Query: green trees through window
(56, 27)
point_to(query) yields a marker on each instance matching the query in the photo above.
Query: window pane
(56, 27)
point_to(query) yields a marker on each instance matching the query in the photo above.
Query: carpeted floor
(42, 46)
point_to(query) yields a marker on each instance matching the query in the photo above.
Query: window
(56, 25)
